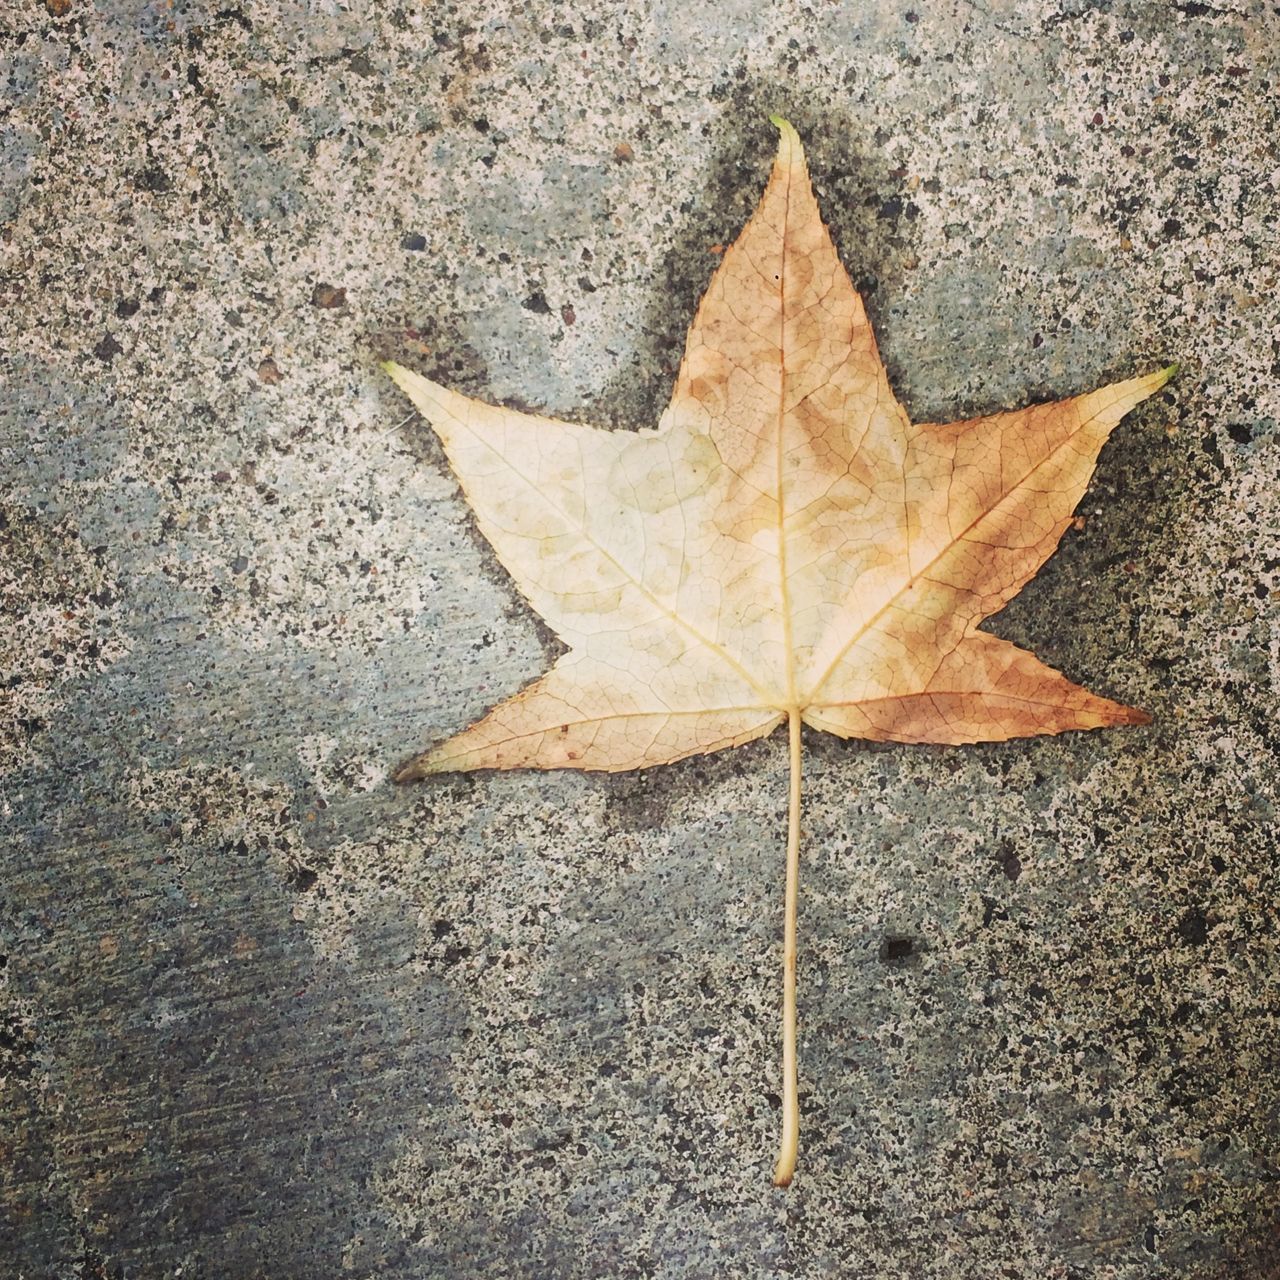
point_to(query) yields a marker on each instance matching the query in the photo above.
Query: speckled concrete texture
(262, 1013)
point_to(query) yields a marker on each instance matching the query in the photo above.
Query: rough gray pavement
(263, 1013)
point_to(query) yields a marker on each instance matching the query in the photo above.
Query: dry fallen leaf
(785, 547)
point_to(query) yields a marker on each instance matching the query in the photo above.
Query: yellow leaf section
(591, 526)
(785, 541)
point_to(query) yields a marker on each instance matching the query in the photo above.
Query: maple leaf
(785, 547)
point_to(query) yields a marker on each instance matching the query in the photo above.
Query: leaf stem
(786, 1165)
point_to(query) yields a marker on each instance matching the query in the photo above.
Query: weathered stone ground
(264, 1014)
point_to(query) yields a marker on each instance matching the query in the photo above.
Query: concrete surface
(264, 1014)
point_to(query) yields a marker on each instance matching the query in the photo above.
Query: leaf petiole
(786, 1165)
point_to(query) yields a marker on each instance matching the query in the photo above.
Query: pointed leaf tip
(424, 766)
(1170, 371)
(781, 123)
(402, 377)
(412, 772)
